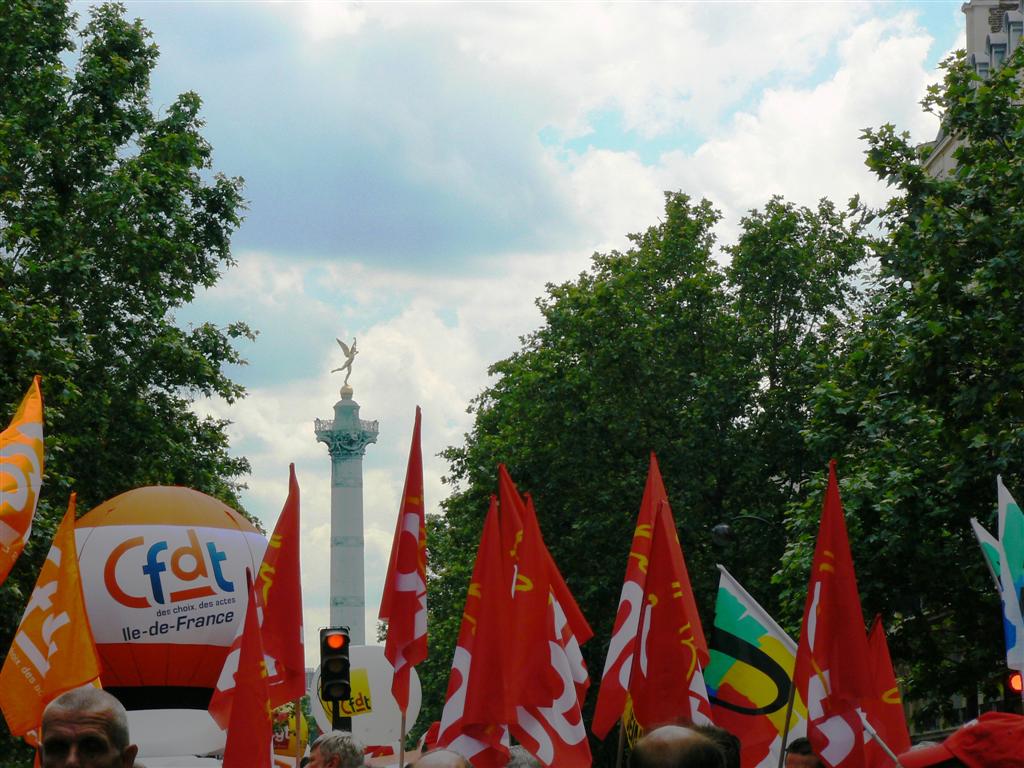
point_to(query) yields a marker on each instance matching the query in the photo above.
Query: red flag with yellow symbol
(21, 474)
(404, 603)
(528, 584)
(250, 729)
(279, 616)
(626, 634)
(885, 711)
(553, 730)
(832, 672)
(478, 705)
(667, 680)
(53, 650)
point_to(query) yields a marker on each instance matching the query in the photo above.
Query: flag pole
(298, 732)
(785, 727)
(878, 739)
(401, 743)
(621, 749)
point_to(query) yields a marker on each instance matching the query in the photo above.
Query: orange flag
(477, 705)
(279, 601)
(404, 604)
(832, 672)
(53, 650)
(250, 730)
(626, 634)
(885, 711)
(21, 474)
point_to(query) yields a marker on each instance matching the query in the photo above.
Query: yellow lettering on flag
(53, 650)
(21, 473)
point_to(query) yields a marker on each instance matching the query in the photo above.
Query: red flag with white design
(619, 663)
(667, 680)
(832, 671)
(279, 614)
(53, 650)
(554, 731)
(404, 604)
(21, 475)
(477, 705)
(885, 711)
(250, 729)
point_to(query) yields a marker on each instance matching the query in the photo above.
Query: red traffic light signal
(1015, 682)
(334, 664)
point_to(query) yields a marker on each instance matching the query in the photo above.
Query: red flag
(553, 731)
(885, 711)
(279, 611)
(614, 691)
(477, 706)
(404, 604)
(527, 575)
(667, 681)
(832, 671)
(621, 661)
(21, 475)
(53, 650)
(250, 729)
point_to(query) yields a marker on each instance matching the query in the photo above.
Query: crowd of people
(88, 728)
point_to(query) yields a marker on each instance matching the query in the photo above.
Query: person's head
(727, 741)
(676, 746)
(799, 754)
(518, 757)
(86, 728)
(336, 749)
(443, 758)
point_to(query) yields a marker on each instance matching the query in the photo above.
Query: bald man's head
(675, 746)
(86, 727)
(443, 758)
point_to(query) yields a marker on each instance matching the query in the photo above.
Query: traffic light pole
(338, 722)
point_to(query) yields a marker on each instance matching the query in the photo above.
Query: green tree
(926, 405)
(109, 221)
(655, 348)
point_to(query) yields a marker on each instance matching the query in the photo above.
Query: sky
(416, 173)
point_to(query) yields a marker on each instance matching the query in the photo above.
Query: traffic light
(1015, 682)
(334, 664)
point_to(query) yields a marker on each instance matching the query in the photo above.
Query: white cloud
(739, 74)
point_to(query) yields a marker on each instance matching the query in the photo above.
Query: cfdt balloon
(164, 577)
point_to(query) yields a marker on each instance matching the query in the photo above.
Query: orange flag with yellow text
(21, 474)
(250, 730)
(53, 650)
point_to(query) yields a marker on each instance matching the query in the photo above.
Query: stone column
(346, 437)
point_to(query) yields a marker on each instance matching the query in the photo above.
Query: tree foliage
(110, 219)
(889, 339)
(655, 348)
(926, 405)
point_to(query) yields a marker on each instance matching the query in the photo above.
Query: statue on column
(350, 355)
